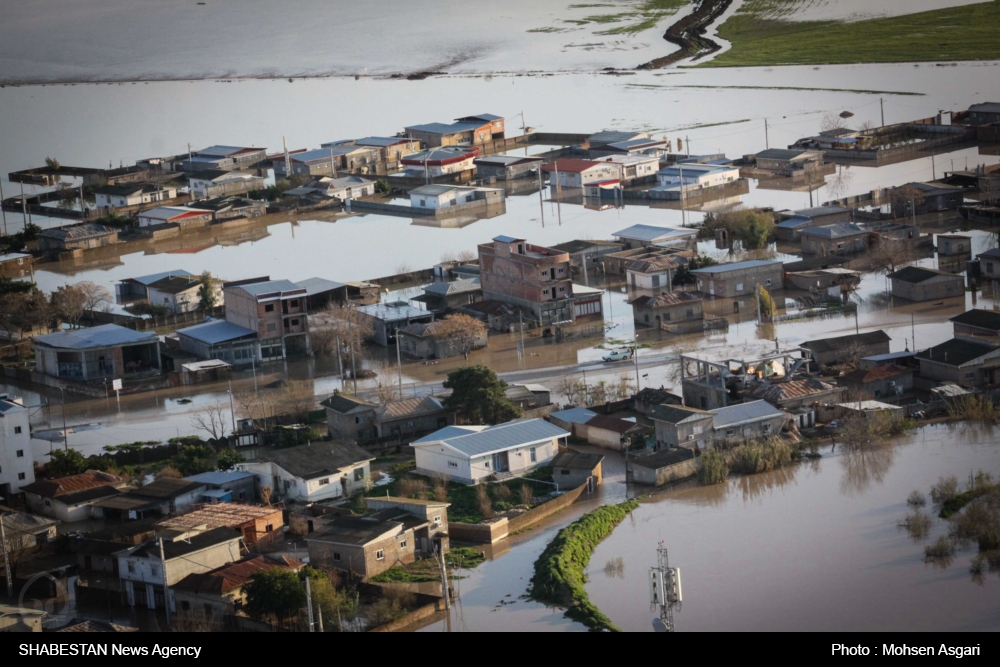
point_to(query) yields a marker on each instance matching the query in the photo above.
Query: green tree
(66, 462)
(382, 186)
(767, 306)
(480, 396)
(194, 459)
(206, 291)
(227, 459)
(276, 595)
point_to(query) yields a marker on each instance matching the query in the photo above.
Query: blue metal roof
(216, 331)
(216, 477)
(314, 286)
(445, 128)
(500, 437)
(741, 413)
(503, 238)
(444, 434)
(652, 233)
(737, 266)
(268, 286)
(105, 335)
(574, 415)
(153, 277)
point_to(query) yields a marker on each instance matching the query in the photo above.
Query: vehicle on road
(618, 355)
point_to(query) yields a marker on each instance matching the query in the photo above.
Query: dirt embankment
(689, 34)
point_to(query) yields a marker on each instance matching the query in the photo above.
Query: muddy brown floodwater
(815, 547)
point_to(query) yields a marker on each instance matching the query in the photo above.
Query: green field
(632, 16)
(971, 32)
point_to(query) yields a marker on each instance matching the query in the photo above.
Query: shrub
(973, 407)
(917, 524)
(501, 492)
(759, 456)
(916, 499)
(412, 488)
(483, 500)
(945, 489)
(524, 495)
(942, 549)
(713, 468)
(169, 471)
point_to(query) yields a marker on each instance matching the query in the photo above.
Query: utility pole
(635, 358)
(520, 328)
(189, 156)
(6, 561)
(756, 293)
(288, 160)
(232, 409)
(309, 605)
(399, 365)
(810, 190)
(767, 143)
(166, 589)
(665, 591)
(65, 434)
(350, 340)
(913, 331)
(933, 170)
(2, 210)
(444, 580)
(24, 209)
(319, 615)
(427, 155)
(683, 221)
(333, 167)
(340, 360)
(881, 104)
(687, 145)
(541, 197)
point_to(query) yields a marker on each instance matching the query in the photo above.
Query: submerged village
(373, 441)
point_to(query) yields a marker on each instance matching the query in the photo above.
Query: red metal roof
(571, 165)
(234, 575)
(53, 488)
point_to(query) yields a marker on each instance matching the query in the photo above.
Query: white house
(181, 215)
(575, 173)
(70, 498)
(307, 473)
(132, 194)
(17, 466)
(443, 196)
(635, 167)
(180, 294)
(696, 176)
(641, 236)
(145, 569)
(439, 161)
(468, 454)
(216, 182)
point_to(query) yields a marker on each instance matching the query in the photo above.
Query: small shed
(573, 420)
(915, 283)
(666, 466)
(612, 432)
(954, 244)
(571, 468)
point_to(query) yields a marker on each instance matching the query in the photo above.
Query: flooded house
(443, 296)
(635, 169)
(444, 196)
(390, 149)
(788, 161)
(977, 323)
(989, 262)
(644, 236)
(586, 256)
(224, 340)
(211, 183)
(735, 424)
(321, 292)
(681, 426)
(429, 340)
(655, 273)
(389, 317)
(934, 198)
(527, 276)
(468, 454)
(439, 161)
(132, 194)
(665, 466)
(228, 207)
(791, 393)
(307, 473)
(709, 384)
(177, 215)
(792, 223)
(137, 289)
(690, 179)
(984, 113)
(219, 592)
(17, 468)
(576, 172)
(15, 264)
(507, 167)
(76, 237)
(949, 245)
(275, 310)
(615, 433)
(966, 362)
(832, 281)
(182, 294)
(599, 140)
(915, 283)
(843, 349)
(571, 468)
(459, 133)
(887, 382)
(223, 158)
(326, 161)
(668, 308)
(739, 278)
(106, 351)
(342, 188)
(638, 146)
(842, 238)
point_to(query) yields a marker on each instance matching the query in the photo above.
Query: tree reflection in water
(865, 465)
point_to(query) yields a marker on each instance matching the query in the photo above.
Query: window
(324, 481)
(20, 453)
(487, 464)
(271, 327)
(269, 308)
(20, 476)
(696, 430)
(402, 544)
(562, 270)
(295, 322)
(452, 464)
(359, 420)
(154, 570)
(208, 609)
(295, 303)
(765, 429)
(359, 474)
(17, 429)
(185, 605)
(730, 432)
(268, 528)
(564, 472)
(131, 567)
(739, 287)
(666, 316)
(545, 291)
(646, 316)
(380, 555)
(48, 503)
(336, 555)
(562, 289)
(437, 520)
(531, 453)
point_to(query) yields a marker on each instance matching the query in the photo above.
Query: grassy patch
(559, 572)
(634, 16)
(957, 33)
(428, 568)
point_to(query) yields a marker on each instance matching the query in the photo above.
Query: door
(501, 462)
(711, 287)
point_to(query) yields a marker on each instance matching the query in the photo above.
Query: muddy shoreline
(689, 34)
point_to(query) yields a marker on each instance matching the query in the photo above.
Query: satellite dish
(846, 114)
(659, 625)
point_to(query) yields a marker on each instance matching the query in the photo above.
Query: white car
(618, 355)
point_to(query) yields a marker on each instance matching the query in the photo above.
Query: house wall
(939, 287)
(736, 283)
(15, 436)
(604, 438)
(687, 434)
(207, 605)
(847, 245)
(410, 426)
(966, 377)
(883, 390)
(667, 474)
(150, 570)
(358, 425)
(286, 485)
(182, 302)
(528, 281)
(601, 172)
(53, 508)
(437, 459)
(364, 560)
(755, 430)
(650, 281)
(682, 312)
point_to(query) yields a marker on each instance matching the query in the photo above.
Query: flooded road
(815, 547)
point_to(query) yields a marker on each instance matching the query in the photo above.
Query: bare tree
(69, 303)
(854, 352)
(297, 399)
(265, 495)
(384, 380)
(463, 331)
(466, 256)
(212, 419)
(832, 121)
(95, 296)
(342, 323)
(259, 407)
(19, 543)
(887, 255)
(23, 311)
(905, 199)
(990, 187)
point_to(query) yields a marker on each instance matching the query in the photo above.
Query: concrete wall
(544, 510)
(736, 283)
(667, 474)
(15, 450)
(940, 287)
(479, 533)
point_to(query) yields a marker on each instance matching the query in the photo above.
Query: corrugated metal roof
(445, 128)
(268, 286)
(217, 477)
(216, 331)
(775, 392)
(986, 107)
(409, 407)
(782, 153)
(842, 342)
(54, 488)
(382, 141)
(918, 274)
(454, 287)
(448, 432)
(153, 277)
(653, 233)
(500, 437)
(392, 311)
(817, 211)
(733, 415)
(78, 232)
(482, 116)
(574, 415)
(736, 266)
(224, 151)
(314, 286)
(837, 231)
(571, 165)
(979, 318)
(105, 335)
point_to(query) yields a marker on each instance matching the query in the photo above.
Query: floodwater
(815, 547)
(810, 547)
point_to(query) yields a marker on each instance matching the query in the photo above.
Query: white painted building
(134, 194)
(308, 473)
(468, 454)
(216, 182)
(635, 167)
(181, 215)
(696, 176)
(439, 161)
(575, 173)
(17, 465)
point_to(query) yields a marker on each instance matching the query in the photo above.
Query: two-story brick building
(531, 277)
(275, 309)
(739, 278)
